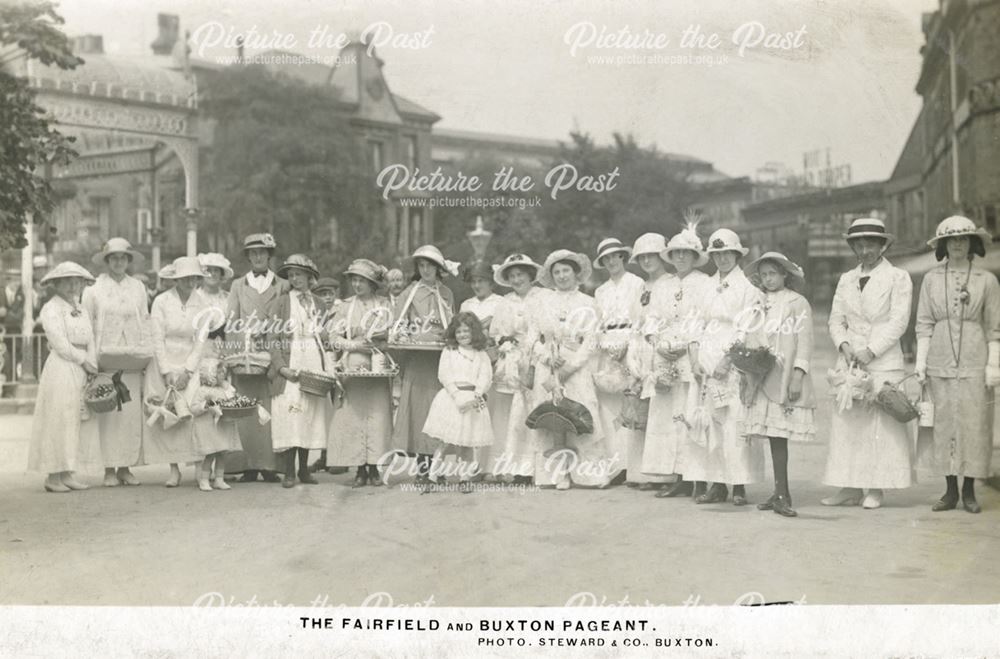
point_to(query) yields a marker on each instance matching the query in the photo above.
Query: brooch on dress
(644, 298)
(722, 287)
(679, 295)
(75, 312)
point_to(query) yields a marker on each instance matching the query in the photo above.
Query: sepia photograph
(482, 328)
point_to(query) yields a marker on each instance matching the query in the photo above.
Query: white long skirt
(870, 449)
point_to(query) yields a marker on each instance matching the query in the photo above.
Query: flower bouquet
(667, 373)
(848, 385)
(753, 361)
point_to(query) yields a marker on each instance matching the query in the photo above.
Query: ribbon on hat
(452, 267)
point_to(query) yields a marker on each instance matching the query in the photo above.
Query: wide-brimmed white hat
(610, 246)
(687, 239)
(648, 243)
(515, 261)
(725, 240)
(216, 260)
(583, 274)
(434, 255)
(183, 266)
(957, 225)
(117, 246)
(795, 273)
(67, 269)
(868, 227)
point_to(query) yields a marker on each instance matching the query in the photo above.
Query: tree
(284, 160)
(27, 140)
(649, 194)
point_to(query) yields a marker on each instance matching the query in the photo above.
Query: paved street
(153, 546)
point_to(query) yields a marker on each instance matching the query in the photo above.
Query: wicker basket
(316, 384)
(237, 412)
(894, 402)
(101, 404)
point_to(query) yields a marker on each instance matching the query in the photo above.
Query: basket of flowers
(237, 407)
(101, 394)
(753, 361)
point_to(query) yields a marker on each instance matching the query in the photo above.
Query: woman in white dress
(958, 347)
(117, 304)
(483, 304)
(564, 363)
(299, 421)
(213, 440)
(178, 342)
(361, 433)
(59, 431)
(669, 449)
(642, 359)
(617, 302)
(512, 454)
(733, 458)
(871, 309)
(459, 417)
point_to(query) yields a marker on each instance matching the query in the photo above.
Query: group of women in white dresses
(550, 385)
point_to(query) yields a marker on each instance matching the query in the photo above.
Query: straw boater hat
(687, 239)
(648, 243)
(725, 240)
(259, 241)
(955, 226)
(367, 269)
(66, 270)
(117, 246)
(795, 274)
(610, 246)
(868, 227)
(183, 266)
(214, 260)
(434, 255)
(480, 269)
(583, 263)
(300, 261)
(326, 284)
(515, 261)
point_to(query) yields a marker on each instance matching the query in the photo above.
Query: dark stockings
(779, 457)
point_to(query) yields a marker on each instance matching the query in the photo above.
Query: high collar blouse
(874, 318)
(118, 311)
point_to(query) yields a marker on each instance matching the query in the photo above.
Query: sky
(844, 79)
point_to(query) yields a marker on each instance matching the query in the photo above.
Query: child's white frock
(463, 373)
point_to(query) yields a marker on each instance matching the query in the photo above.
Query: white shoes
(848, 496)
(873, 499)
(220, 483)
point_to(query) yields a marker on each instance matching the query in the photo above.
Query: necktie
(863, 282)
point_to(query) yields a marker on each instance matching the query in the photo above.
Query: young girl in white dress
(458, 416)
(781, 405)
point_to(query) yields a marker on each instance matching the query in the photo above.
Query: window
(375, 151)
(417, 226)
(412, 153)
(401, 227)
(102, 214)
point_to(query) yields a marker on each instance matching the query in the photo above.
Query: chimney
(88, 44)
(169, 31)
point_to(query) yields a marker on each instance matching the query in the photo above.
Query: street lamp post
(480, 239)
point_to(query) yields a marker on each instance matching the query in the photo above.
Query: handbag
(894, 401)
(634, 412)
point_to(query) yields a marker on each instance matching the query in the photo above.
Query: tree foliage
(284, 160)
(27, 140)
(650, 194)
